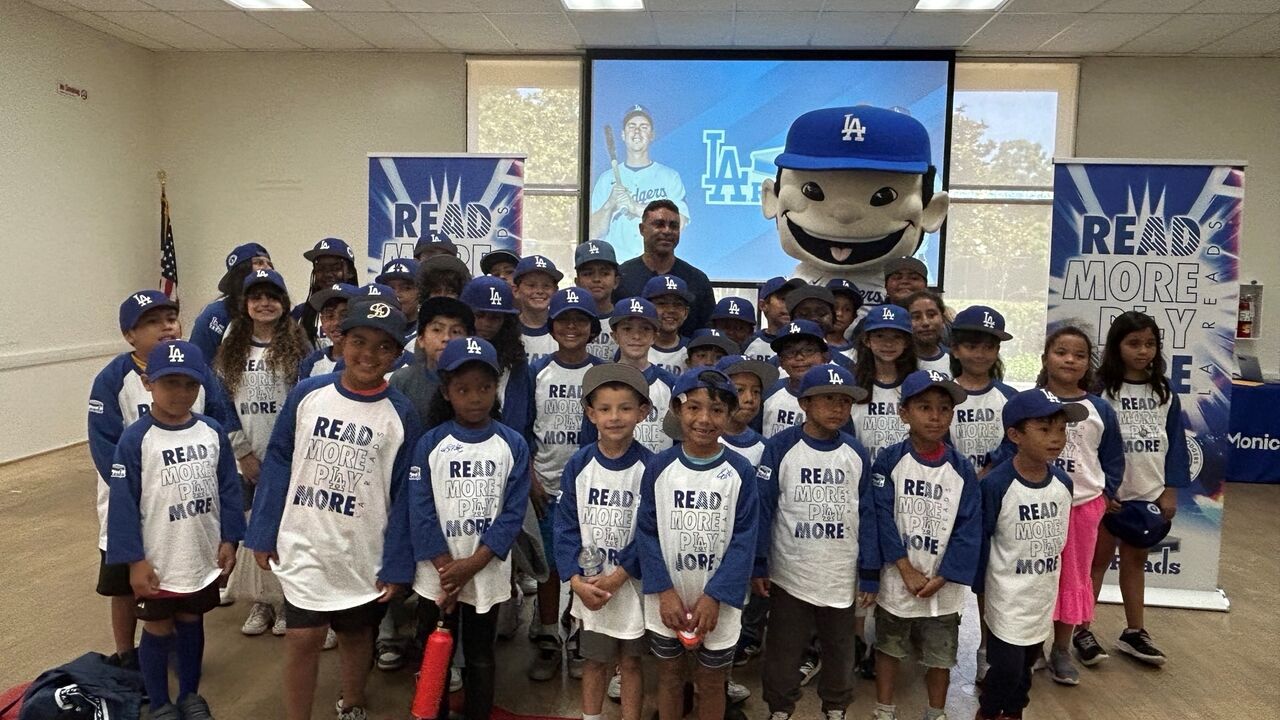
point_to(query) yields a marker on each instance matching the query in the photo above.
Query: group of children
(740, 492)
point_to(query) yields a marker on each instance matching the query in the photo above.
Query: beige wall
(1213, 109)
(79, 210)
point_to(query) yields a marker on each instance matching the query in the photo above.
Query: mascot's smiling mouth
(846, 253)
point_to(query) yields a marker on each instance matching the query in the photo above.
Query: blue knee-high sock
(153, 660)
(190, 655)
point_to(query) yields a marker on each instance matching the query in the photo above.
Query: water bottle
(591, 560)
(690, 638)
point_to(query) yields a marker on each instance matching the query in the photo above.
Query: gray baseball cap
(614, 373)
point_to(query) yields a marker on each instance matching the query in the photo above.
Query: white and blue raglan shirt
(601, 496)
(319, 362)
(648, 431)
(117, 400)
(848, 350)
(175, 497)
(557, 416)
(538, 342)
(696, 533)
(1155, 442)
(1094, 454)
(748, 443)
(977, 427)
(929, 512)
(817, 536)
(758, 347)
(876, 423)
(468, 487)
(654, 181)
(257, 403)
(330, 500)
(940, 362)
(672, 358)
(603, 345)
(210, 327)
(1024, 527)
(781, 409)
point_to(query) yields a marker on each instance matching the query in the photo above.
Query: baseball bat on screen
(612, 145)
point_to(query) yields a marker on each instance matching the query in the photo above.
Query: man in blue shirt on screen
(619, 196)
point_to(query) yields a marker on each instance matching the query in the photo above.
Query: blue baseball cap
(493, 257)
(460, 351)
(921, 380)
(489, 294)
(891, 317)
(331, 247)
(709, 337)
(660, 285)
(377, 290)
(774, 284)
(176, 357)
(134, 306)
(594, 251)
(633, 307)
(841, 286)
(1038, 403)
(856, 138)
(399, 269)
(1138, 523)
(703, 376)
(571, 298)
(830, 379)
(736, 364)
(734, 308)
(536, 263)
(345, 291)
(377, 313)
(980, 318)
(240, 254)
(265, 277)
(797, 329)
(435, 241)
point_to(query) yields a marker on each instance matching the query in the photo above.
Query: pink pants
(1075, 582)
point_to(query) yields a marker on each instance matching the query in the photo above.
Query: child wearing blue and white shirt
(695, 539)
(928, 324)
(976, 429)
(330, 305)
(596, 267)
(817, 558)
(174, 519)
(799, 346)
(750, 378)
(772, 299)
(671, 297)
(928, 511)
(468, 493)
(886, 355)
(535, 281)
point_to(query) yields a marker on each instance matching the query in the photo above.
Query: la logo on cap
(494, 297)
(593, 249)
(262, 274)
(887, 314)
(175, 354)
(473, 347)
(833, 377)
(733, 308)
(793, 329)
(324, 244)
(636, 307)
(373, 290)
(142, 300)
(538, 261)
(336, 286)
(936, 376)
(671, 283)
(379, 310)
(987, 320)
(1050, 396)
(853, 129)
(570, 296)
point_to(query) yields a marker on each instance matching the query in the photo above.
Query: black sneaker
(1138, 644)
(1087, 648)
(194, 707)
(865, 658)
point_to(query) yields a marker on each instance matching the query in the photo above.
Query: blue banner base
(1215, 599)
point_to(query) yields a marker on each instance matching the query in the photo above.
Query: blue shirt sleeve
(767, 489)
(273, 481)
(993, 488)
(1111, 448)
(1177, 463)
(397, 549)
(203, 335)
(502, 534)
(869, 562)
(230, 491)
(218, 405)
(729, 582)
(106, 422)
(124, 519)
(882, 489)
(567, 535)
(960, 561)
(653, 569)
(425, 534)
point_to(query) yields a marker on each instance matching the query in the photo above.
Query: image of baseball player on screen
(618, 196)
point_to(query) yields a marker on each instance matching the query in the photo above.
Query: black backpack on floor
(87, 688)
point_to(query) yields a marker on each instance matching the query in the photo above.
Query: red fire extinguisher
(433, 674)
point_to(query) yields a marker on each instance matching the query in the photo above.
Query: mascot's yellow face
(846, 220)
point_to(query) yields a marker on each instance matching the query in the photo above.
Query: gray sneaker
(194, 707)
(1061, 669)
(546, 659)
(351, 713)
(166, 712)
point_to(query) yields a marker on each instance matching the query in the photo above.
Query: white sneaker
(330, 640)
(982, 666)
(225, 598)
(260, 617)
(943, 716)
(528, 586)
(455, 679)
(833, 715)
(809, 669)
(737, 692)
(279, 627)
(615, 687)
(779, 716)
(879, 714)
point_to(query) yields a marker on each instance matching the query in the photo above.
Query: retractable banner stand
(476, 200)
(1161, 237)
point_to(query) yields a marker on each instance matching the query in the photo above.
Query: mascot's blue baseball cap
(856, 138)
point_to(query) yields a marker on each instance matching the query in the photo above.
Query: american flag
(168, 256)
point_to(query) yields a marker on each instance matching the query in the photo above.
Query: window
(532, 107)
(1009, 121)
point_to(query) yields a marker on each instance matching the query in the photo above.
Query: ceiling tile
(315, 30)
(937, 29)
(1024, 32)
(1184, 33)
(774, 29)
(871, 5)
(350, 5)
(775, 6)
(1237, 6)
(240, 29)
(1258, 38)
(110, 28)
(1144, 6)
(615, 29)
(433, 6)
(190, 5)
(111, 5)
(58, 6)
(689, 5)
(470, 32)
(516, 6)
(1102, 32)
(694, 29)
(536, 31)
(168, 29)
(386, 31)
(855, 29)
(1050, 6)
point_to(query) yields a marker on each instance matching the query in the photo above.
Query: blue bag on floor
(87, 688)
